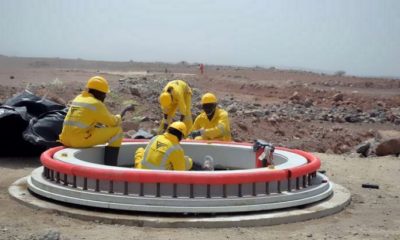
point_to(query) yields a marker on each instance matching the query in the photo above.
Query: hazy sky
(361, 37)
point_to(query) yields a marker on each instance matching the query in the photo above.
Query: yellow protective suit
(163, 153)
(89, 123)
(181, 101)
(216, 129)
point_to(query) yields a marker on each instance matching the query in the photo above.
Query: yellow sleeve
(220, 129)
(196, 125)
(103, 116)
(177, 159)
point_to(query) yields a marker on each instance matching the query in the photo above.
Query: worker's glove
(182, 118)
(195, 134)
(119, 119)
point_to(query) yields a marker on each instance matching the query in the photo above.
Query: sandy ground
(372, 214)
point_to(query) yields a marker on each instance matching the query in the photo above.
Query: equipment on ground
(265, 152)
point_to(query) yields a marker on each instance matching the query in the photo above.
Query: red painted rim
(182, 177)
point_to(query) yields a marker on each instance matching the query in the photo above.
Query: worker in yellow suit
(176, 95)
(212, 123)
(88, 121)
(164, 151)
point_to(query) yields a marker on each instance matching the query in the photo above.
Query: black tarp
(44, 130)
(35, 105)
(16, 115)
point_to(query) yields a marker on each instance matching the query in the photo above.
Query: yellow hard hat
(180, 126)
(165, 99)
(208, 98)
(98, 83)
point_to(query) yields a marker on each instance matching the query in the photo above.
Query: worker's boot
(111, 156)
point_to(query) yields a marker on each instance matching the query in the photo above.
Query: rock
(255, 120)
(279, 132)
(248, 113)
(255, 113)
(339, 119)
(308, 102)
(394, 115)
(371, 120)
(395, 111)
(129, 125)
(337, 128)
(380, 104)
(242, 126)
(352, 118)
(232, 108)
(274, 118)
(50, 235)
(373, 114)
(134, 91)
(122, 80)
(142, 134)
(295, 96)
(338, 97)
(343, 148)
(363, 148)
(388, 147)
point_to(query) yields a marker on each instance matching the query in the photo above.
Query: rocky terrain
(305, 110)
(328, 114)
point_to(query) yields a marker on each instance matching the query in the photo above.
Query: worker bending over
(212, 123)
(176, 95)
(89, 123)
(164, 151)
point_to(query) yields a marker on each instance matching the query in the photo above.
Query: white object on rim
(208, 163)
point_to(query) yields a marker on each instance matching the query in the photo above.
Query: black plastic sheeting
(29, 125)
(44, 130)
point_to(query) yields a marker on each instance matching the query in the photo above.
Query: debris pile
(29, 124)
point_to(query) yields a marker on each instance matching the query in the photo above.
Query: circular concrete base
(340, 198)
